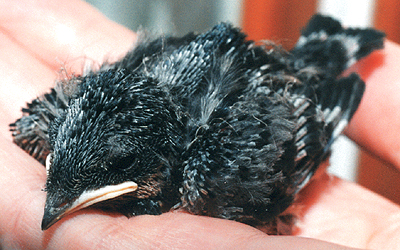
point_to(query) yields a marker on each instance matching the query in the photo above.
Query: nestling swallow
(210, 123)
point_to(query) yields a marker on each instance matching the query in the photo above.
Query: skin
(333, 211)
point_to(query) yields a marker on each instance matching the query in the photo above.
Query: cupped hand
(39, 37)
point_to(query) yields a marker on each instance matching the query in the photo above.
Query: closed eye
(124, 162)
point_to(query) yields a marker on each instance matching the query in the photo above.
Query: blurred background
(281, 22)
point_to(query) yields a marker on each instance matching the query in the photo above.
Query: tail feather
(325, 104)
(337, 102)
(330, 48)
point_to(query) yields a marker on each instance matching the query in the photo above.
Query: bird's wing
(30, 132)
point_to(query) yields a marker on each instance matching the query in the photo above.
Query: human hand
(39, 37)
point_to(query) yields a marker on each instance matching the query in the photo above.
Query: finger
(63, 32)
(376, 124)
(23, 77)
(345, 213)
(37, 47)
(172, 231)
(21, 202)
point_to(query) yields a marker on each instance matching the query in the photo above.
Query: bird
(210, 123)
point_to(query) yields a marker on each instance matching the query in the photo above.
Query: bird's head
(118, 135)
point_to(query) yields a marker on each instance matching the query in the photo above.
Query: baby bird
(210, 123)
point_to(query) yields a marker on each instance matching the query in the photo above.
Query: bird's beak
(57, 208)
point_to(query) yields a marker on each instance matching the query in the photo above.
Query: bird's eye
(123, 162)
